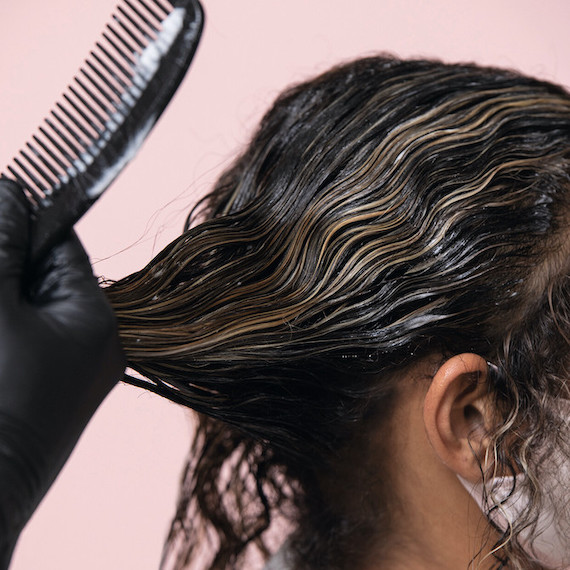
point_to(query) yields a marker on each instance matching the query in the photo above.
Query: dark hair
(384, 211)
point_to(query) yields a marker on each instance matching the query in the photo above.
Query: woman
(375, 303)
(372, 320)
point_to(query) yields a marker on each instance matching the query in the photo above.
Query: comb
(106, 113)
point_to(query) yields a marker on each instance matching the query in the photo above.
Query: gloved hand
(59, 357)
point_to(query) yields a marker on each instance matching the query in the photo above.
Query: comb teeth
(98, 100)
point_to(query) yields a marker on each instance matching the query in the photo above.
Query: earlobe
(458, 414)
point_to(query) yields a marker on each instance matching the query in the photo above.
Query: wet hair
(384, 211)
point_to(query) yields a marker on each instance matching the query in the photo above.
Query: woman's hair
(383, 212)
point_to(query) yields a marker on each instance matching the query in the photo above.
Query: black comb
(113, 102)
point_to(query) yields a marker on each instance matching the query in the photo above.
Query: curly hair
(383, 211)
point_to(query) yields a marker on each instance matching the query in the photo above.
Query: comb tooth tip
(87, 158)
(79, 165)
(128, 99)
(140, 84)
(71, 171)
(104, 139)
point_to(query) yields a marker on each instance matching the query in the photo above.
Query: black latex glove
(59, 357)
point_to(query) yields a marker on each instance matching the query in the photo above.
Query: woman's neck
(435, 523)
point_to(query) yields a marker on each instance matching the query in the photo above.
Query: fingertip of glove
(14, 228)
(67, 258)
(12, 196)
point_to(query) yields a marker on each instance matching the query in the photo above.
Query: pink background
(111, 506)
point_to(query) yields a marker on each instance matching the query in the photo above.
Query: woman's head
(386, 213)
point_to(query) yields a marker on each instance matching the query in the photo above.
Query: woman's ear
(458, 414)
